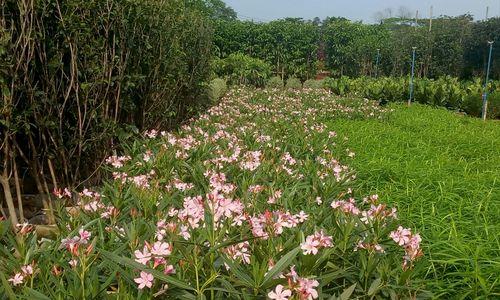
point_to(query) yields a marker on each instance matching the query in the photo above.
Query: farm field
(222, 149)
(442, 171)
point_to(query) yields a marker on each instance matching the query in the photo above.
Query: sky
(267, 10)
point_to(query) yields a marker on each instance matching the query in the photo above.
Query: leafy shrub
(446, 91)
(494, 105)
(313, 84)
(88, 68)
(338, 86)
(473, 105)
(243, 69)
(217, 89)
(275, 82)
(293, 83)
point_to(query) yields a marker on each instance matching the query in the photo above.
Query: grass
(442, 171)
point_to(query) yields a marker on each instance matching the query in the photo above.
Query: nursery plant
(254, 199)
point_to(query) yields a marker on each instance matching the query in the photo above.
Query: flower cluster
(271, 224)
(19, 277)
(410, 242)
(155, 256)
(315, 242)
(73, 244)
(303, 288)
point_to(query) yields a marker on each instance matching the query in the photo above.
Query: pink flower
(84, 236)
(145, 280)
(310, 246)
(169, 269)
(142, 257)
(27, 270)
(307, 288)
(314, 242)
(279, 293)
(161, 249)
(401, 236)
(17, 279)
(73, 263)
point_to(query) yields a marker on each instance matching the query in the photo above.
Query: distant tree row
(455, 46)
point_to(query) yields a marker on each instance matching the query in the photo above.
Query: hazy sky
(265, 10)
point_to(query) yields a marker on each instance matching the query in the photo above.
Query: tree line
(455, 46)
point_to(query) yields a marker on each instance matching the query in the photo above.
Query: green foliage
(293, 83)
(289, 45)
(313, 84)
(74, 72)
(446, 91)
(441, 170)
(339, 86)
(453, 46)
(217, 89)
(243, 69)
(275, 82)
(350, 47)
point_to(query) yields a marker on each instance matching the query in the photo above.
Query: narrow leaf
(284, 262)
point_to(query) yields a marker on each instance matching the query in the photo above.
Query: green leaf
(374, 287)
(7, 289)
(35, 295)
(239, 273)
(284, 262)
(348, 292)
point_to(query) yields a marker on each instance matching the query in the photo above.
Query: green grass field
(442, 171)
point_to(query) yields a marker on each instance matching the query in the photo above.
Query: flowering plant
(253, 199)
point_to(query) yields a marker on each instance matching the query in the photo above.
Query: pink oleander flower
(275, 196)
(315, 242)
(59, 193)
(145, 280)
(73, 263)
(84, 236)
(306, 288)
(27, 270)
(401, 236)
(239, 251)
(348, 207)
(17, 279)
(310, 246)
(161, 249)
(280, 293)
(142, 257)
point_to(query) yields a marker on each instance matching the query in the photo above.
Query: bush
(313, 84)
(275, 82)
(217, 89)
(473, 105)
(243, 69)
(88, 68)
(293, 83)
(338, 86)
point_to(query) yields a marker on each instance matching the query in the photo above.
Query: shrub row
(447, 92)
(75, 73)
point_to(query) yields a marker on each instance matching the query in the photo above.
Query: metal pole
(412, 75)
(485, 93)
(378, 60)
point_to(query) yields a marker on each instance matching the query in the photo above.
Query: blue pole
(412, 75)
(485, 93)
(378, 60)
